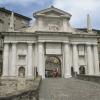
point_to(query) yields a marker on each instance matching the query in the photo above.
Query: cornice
(48, 33)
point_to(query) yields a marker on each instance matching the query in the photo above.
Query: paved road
(68, 89)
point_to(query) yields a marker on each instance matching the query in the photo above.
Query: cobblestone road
(68, 89)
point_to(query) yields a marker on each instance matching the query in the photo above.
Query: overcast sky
(77, 8)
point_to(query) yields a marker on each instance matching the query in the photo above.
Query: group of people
(55, 72)
(52, 73)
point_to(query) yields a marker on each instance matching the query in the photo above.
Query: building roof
(52, 8)
(85, 30)
(16, 14)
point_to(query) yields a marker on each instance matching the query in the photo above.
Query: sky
(77, 8)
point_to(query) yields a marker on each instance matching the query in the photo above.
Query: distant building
(50, 45)
(20, 22)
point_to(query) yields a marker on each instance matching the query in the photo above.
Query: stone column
(6, 60)
(41, 66)
(96, 60)
(13, 61)
(36, 54)
(67, 68)
(29, 63)
(75, 59)
(35, 59)
(90, 60)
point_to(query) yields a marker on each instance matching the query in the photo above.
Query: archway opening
(21, 72)
(82, 70)
(52, 67)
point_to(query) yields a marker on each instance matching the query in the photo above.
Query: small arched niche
(81, 70)
(21, 72)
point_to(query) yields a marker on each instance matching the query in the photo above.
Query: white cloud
(79, 9)
(22, 2)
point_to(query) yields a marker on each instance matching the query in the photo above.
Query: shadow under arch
(52, 63)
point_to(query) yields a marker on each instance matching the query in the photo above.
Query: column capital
(40, 43)
(6, 43)
(95, 44)
(10, 42)
(14, 43)
(74, 43)
(66, 42)
(88, 44)
(30, 44)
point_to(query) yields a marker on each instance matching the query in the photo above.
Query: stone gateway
(51, 43)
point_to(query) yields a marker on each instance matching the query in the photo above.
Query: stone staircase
(68, 89)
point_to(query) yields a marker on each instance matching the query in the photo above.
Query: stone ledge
(30, 93)
(92, 78)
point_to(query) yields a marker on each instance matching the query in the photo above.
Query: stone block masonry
(29, 93)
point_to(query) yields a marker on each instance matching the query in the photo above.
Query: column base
(29, 77)
(43, 76)
(9, 77)
(96, 74)
(67, 76)
(91, 74)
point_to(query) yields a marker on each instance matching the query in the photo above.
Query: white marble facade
(51, 35)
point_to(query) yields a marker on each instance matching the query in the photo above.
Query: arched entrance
(82, 70)
(52, 67)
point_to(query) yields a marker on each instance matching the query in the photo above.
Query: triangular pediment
(52, 11)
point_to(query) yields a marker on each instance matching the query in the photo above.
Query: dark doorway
(1, 68)
(82, 70)
(21, 72)
(52, 67)
(72, 71)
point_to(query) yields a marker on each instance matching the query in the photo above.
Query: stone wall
(89, 78)
(29, 93)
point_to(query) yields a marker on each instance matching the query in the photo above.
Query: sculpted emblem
(53, 27)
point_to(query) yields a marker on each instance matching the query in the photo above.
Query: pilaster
(90, 59)
(6, 60)
(75, 58)
(41, 66)
(29, 63)
(67, 68)
(96, 60)
(13, 62)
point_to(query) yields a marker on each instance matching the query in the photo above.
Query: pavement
(68, 89)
